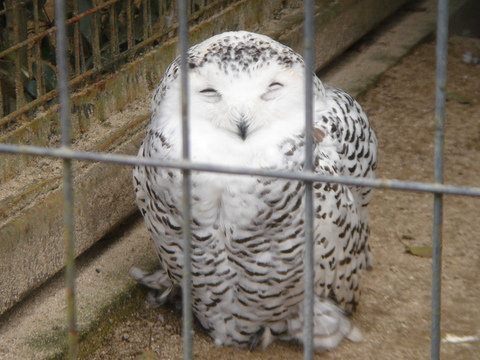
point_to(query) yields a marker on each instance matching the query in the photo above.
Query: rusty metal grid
(101, 37)
(185, 9)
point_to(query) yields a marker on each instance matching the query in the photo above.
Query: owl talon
(256, 339)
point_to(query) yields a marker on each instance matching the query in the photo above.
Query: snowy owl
(247, 109)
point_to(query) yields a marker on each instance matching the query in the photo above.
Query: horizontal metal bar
(74, 81)
(37, 102)
(89, 12)
(64, 153)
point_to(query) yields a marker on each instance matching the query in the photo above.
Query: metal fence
(122, 49)
(104, 35)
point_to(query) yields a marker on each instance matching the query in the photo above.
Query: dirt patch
(394, 313)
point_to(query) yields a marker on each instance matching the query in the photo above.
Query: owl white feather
(247, 109)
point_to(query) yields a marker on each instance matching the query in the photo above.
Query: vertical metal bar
(187, 270)
(38, 55)
(309, 249)
(97, 56)
(64, 100)
(130, 41)
(162, 6)
(113, 31)
(440, 83)
(145, 19)
(149, 18)
(83, 64)
(20, 98)
(129, 24)
(2, 103)
(76, 41)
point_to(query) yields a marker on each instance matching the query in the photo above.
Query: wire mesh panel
(104, 34)
(107, 34)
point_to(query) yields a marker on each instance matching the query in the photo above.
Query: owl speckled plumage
(247, 109)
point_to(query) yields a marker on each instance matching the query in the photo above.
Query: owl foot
(262, 337)
(330, 326)
(162, 289)
(256, 339)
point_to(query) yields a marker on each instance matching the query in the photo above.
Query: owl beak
(242, 129)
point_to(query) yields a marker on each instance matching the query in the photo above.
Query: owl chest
(254, 225)
(247, 243)
(258, 223)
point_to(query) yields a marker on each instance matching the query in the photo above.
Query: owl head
(242, 85)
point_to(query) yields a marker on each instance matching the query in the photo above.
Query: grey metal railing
(67, 154)
(68, 220)
(186, 185)
(309, 252)
(440, 97)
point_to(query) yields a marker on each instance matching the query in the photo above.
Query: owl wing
(345, 145)
(157, 193)
(356, 141)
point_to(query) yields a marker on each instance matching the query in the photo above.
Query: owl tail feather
(330, 326)
(163, 289)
